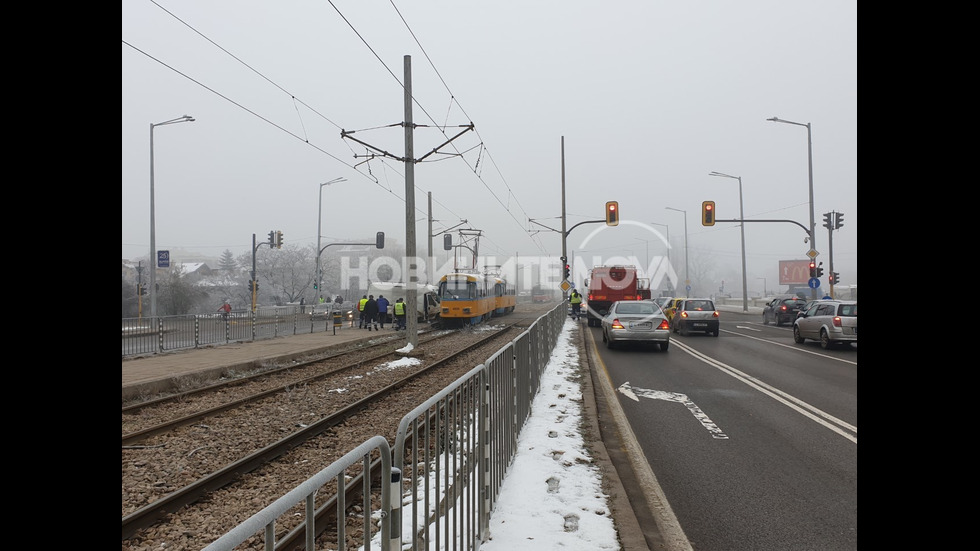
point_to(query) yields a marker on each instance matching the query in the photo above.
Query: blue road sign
(688, 289)
(163, 259)
(814, 283)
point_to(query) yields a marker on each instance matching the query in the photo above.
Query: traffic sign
(565, 285)
(688, 289)
(163, 259)
(812, 253)
(814, 283)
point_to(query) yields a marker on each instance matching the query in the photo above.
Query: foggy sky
(650, 97)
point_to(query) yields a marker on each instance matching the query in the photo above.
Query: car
(782, 310)
(831, 322)
(323, 311)
(696, 315)
(635, 321)
(808, 305)
(662, 302)
(671, 307)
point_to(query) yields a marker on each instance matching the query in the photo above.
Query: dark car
(782, 310)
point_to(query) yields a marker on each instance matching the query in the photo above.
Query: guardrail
(166, 333)
(454, 451)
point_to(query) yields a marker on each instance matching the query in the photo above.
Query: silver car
(831, 322)
(635, 321)
(696, 315)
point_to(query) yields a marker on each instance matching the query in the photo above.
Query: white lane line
(800, 406)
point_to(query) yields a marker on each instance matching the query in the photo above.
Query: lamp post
(741, 217)
(319, 217)
(153, 231)
(809, 158)
(687, 274)
(764, 294)
(666, 227)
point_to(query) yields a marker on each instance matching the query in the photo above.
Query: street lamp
(741, 216)
(687, 274)
(153, 231)
(319, 214)
(764, 293)
(809, 157)
(666, 227)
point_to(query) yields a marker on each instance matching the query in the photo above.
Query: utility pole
(411, 284)
(564, 233)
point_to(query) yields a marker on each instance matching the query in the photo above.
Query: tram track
(358, 417)
(243, 393)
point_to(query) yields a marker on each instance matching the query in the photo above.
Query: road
(752, 438)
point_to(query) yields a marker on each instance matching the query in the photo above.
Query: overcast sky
(649, 96)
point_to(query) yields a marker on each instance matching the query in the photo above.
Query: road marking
(628, 391)
(747, 327)
(798, 347)
(821, 417)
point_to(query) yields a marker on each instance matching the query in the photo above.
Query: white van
(426, 297)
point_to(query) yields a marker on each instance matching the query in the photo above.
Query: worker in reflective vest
(576, 301)
(399, 308)
(360, 312)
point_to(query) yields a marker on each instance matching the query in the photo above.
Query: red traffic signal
(707, 213)
(612, 213)
(813, 269)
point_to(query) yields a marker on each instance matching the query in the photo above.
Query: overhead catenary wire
(483, 150)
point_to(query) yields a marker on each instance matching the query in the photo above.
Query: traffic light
(838, 220)
(612, 213)
(827, 223)
(314, 286)
(568, 271)
(379, 240)
(707, 213)
(141, 289)
(813, 269)
(820, 270)
(272, 238)
(834, 278)
(447, 242)
(278, 239)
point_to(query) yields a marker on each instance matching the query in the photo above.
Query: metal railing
(167, 333)
(454, 451)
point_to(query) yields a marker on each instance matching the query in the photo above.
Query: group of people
(372, 313)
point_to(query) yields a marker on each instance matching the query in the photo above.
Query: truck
(608, 284)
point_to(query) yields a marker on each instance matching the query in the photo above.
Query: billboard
(794, 272)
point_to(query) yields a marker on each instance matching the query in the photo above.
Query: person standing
(360, 311)
(576, 300)
(370, 313)
(399, 308)
(382, 310)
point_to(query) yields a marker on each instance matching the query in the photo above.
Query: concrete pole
(411, 295)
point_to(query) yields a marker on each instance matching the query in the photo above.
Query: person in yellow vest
(399, 310)
(360, 312)
(576, 301)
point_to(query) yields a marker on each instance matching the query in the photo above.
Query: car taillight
(837, 321)
(783, 308)
(616, 324)
(664, 325)
(715, 314)
(684, 314)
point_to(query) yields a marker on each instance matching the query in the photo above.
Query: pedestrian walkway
(151, 375)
